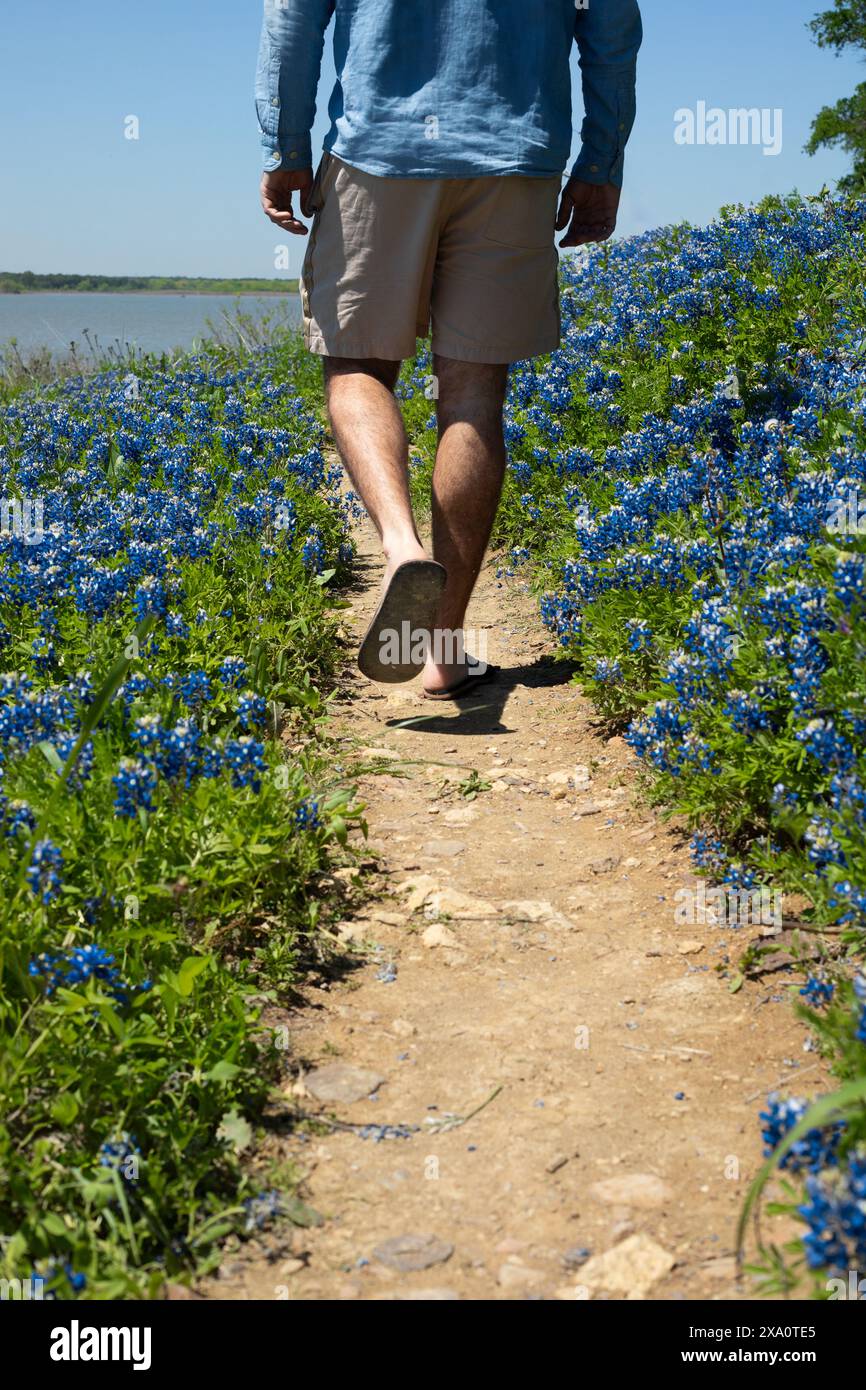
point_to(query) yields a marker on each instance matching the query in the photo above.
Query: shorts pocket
(522, 212)
(320, 182)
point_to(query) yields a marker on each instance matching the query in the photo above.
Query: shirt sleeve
(608, 35)
(290, 61)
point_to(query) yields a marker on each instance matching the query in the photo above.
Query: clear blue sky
(78, 196)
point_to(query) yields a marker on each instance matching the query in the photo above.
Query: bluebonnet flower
(859, 983)
(313, 551)
(307, 816)
(836, 1215)
(50, 1271)
(177, 751)
(246, 760)
(252, 710)
(262, 1209)
(135, 783)
(666, 739)
(148, 731)
(818, 991)
(121, 1154)
(822, 846)
(79, 965)
(817, 1148)
(708, 852)
(849, 580)
(18, 816)
(739, 878)
(607, 671)
(826, 745)
(133, 688)
(149, 598)
(783, 799)
(44, 872)
(195, 689)
(232, 671)
(639, 635)
(83, 765)
(745, 712)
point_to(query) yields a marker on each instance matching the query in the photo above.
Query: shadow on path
(481, 711)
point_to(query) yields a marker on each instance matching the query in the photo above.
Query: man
(436, 199)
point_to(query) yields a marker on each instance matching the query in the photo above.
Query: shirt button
(275, 101)
(275, 154)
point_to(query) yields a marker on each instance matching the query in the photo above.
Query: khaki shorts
(386, 256)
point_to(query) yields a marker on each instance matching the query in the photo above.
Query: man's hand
(588, 210)
(277, 188)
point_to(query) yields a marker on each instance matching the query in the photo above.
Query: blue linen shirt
(450, 88)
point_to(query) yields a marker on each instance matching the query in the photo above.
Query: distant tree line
(27, 281)
(843, 126)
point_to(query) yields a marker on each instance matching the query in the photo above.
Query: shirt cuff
(592, 167)
(287, 152)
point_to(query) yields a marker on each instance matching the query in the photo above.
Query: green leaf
(235, 1131)
(64, 1109)
(300, 1213)
(51, 755)
(55, 1225)
(186, 975)
(222, 1071)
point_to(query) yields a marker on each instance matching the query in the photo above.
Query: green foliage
(28, 282)
(130, 1099)
(843, 125)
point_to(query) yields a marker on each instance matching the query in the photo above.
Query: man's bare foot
(400, 554)
(442, 675)
(445, 675)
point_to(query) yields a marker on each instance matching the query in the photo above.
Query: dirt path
(525, 945)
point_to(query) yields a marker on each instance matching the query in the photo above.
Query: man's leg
(467, 483)
(371, 438)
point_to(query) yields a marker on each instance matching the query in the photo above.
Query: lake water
(149, 322)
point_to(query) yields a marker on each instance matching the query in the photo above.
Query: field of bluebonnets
(166, 625)
(687, 490)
